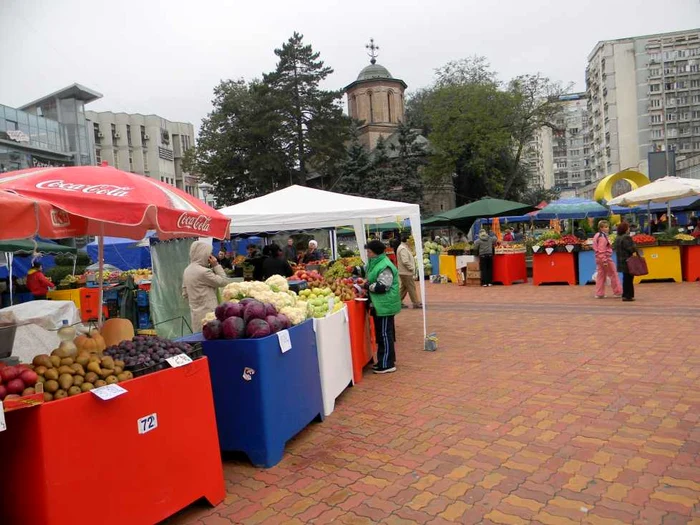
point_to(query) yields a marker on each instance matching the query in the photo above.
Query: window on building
(96, 132)
(116, 158)
(98, 156)
(682, 100)
(696, 145)
(145, 162)
(143, 134)
(128, 134)
(654, 72)
(114, 132)
(657, 133)
(681, 84)
(371, 107)
(684, 115)
(670, 117)
(655, 119)
(389, 96)
(654, 87)
(131, 162)
(655, 102)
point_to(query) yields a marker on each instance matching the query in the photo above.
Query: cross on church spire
(372, 51)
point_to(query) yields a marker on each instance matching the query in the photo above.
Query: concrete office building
(146, 144)
(643, 96)
(51, 131)
(569, 148)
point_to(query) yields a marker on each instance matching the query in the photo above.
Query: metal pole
(100, 280)
(668, 215)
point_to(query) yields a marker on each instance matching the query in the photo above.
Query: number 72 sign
(148, 423)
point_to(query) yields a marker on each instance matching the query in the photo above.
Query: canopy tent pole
(359, 226)
(649, 215)
(101, 265)
(10, 261)
(414, 221)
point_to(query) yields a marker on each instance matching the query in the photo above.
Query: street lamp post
(205, 188)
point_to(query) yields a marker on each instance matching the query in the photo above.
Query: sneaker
(628, 298)
(387, 370)
(404, 306)
(618, 295)
(484, 285)
(417, 306)
(600, 297)
(489, 284)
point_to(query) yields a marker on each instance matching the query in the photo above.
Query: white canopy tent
(302, 208)
(664, 189)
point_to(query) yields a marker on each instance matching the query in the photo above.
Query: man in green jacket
(383, 287)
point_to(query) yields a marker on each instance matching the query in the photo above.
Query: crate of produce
(142, 298)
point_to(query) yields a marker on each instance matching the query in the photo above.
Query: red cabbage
(212, 330)
(275, 323)
(253, 310)
(233, 328)
(226, 310)
(284, 320)
(270, 309)
(257, 328)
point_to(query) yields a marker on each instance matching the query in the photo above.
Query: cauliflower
(277, 283)
(209, 317)
(296, 314)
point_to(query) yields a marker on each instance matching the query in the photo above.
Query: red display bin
(360, 346)
(90, 304)
(555, 268)
(509, 268)
(84, 459)
(690, 262)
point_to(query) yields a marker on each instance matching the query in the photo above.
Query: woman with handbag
(625, 249)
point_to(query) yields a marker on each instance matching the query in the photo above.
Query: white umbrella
(665, 190)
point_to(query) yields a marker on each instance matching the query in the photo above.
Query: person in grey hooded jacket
(484, 249)
(200, 282)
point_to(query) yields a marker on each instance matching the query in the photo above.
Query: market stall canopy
(661, 190)
(686, 204)
(572, 208)
(23, 217)
(28, 246)
(302, 208)
(486, 207)
(125, 254)
(100, 200)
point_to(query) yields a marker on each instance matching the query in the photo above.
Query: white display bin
(334, 357)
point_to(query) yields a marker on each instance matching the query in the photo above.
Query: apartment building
(538, 159)
(643, 96)
(146, 144)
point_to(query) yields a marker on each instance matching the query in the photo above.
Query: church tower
(376, 99)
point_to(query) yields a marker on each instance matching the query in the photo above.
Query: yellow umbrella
(496, 227)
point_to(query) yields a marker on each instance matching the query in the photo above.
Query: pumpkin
(116, 330)
(92, 341)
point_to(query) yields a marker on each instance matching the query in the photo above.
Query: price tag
(108, 392)
(3, 425)
(179, 360)
(147, 423)
(654, 255)
(285, 340)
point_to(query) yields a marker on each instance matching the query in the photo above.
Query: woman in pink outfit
(603, 261)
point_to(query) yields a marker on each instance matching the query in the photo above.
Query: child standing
(603, 260)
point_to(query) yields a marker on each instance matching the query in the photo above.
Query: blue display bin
(435, 262)
(587, 267)
(263, 397)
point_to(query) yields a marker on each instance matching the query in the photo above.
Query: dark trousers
(385, 335)
(627, 286)
(486, 268)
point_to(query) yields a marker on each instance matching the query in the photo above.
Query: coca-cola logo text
(200, 223)
(60, 218)
(107, 190)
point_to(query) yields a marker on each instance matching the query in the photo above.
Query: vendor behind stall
(276, 264)
(37, 283)
(312, 254)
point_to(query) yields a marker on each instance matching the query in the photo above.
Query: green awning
(26, 246)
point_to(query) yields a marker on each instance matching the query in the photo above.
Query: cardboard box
(473, 266)
(473, 274)
(473, 282)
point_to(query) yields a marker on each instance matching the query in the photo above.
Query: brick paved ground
(542, 405)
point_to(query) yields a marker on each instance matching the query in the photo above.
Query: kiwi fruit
(105, 373)
(48, 396)
(100, 382)
(55, 361)
(78, 369)
(78, 380)
(42, 360)
(74, 391)
(67, 361)
(60, 394)
(86, 387)
(51, 386)
(83, 359)
(51, 373)
(91, 377)
(110, 380)
(66, 381)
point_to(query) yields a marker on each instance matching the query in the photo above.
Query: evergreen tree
(313, 125)
(410, 156)
(354, 169)
(381, 182)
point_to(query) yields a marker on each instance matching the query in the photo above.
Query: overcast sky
(165, 57)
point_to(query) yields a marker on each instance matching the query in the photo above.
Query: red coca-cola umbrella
(101, 200)
(22, 218)
(118, 203)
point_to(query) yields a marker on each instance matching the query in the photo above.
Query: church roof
(374, 71)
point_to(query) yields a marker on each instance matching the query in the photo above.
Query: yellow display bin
(65, 295)
(448, 267)
(664, 262)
